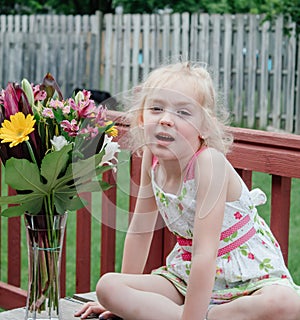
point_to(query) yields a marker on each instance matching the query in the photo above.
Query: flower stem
(30, 151)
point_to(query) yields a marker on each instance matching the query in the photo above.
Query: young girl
(226, 264)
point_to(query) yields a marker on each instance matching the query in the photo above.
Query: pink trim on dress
(235, 227)
(187, 256)
(237, 243)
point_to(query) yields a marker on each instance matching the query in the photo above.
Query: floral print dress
(249, 256)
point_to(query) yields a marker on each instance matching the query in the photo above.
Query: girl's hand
(93, 308)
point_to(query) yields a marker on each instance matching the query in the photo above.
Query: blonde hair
(215, 117)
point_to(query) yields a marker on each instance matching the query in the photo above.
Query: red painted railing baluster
(280, 208)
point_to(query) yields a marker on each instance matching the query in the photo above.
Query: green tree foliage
(271, 8)
(55, 6)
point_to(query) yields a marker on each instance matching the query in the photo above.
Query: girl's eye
(183, 113)
(156, 109)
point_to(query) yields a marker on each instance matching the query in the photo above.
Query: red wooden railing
(274, 153)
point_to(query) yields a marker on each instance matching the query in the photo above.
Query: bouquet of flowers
(53, 149)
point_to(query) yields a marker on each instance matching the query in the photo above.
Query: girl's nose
(166, 120)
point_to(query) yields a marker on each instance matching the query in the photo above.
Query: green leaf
(76, 203)
(86, 167)
(93, 174)
(244, 252)
(54, 163)
(66, 193)
(93, 186)
(31, 207)
(19, 198)
(14, 211)
(21, 174)
(234, 235)
(63, 203)
(68, 177)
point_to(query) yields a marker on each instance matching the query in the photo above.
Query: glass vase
(45, 234)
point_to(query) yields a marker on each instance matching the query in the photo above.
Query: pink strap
(190, 167)
(190, 172)
(154, 162)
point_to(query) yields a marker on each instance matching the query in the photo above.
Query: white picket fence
(254, 63)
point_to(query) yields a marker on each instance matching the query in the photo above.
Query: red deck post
(83, 247)
(108, 225)
(280, 208)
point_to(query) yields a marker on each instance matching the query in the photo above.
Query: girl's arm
(212, 173)
(140, 232)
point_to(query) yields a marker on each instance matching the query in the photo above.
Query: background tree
(55, 6)
(290, 9)
(271, 8)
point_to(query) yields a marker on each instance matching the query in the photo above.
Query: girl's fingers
(88, 309)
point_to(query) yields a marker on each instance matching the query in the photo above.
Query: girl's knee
(106, 288)
(280, 300)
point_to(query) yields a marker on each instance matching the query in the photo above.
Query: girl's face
(172, 121)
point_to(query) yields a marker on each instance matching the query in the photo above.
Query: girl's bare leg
(145, 297)
(274, 302)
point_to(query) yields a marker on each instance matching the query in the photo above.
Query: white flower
(79, 97)
(58, 142)
(110, 148)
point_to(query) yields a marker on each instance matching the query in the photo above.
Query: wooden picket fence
(66, 46)
(254, 63)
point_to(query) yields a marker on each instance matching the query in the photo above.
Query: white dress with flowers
(249, 256)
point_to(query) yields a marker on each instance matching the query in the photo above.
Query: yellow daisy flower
(112, 131)
(17, 130)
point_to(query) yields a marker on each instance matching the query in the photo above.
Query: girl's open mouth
(164, 137)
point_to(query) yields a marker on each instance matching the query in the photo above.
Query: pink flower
(238, 215)
(39, 95)
(251, 256)
(66, 109)
(84, 108)
(87, 94)
(56, 104)
(284, 276)
(90, 131)
(219, 271)
(101, 115)
(48, 113)
(70, 127)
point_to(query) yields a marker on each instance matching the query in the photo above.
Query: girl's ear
(203, 141)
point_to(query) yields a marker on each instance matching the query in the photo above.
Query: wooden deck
(274, 153)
